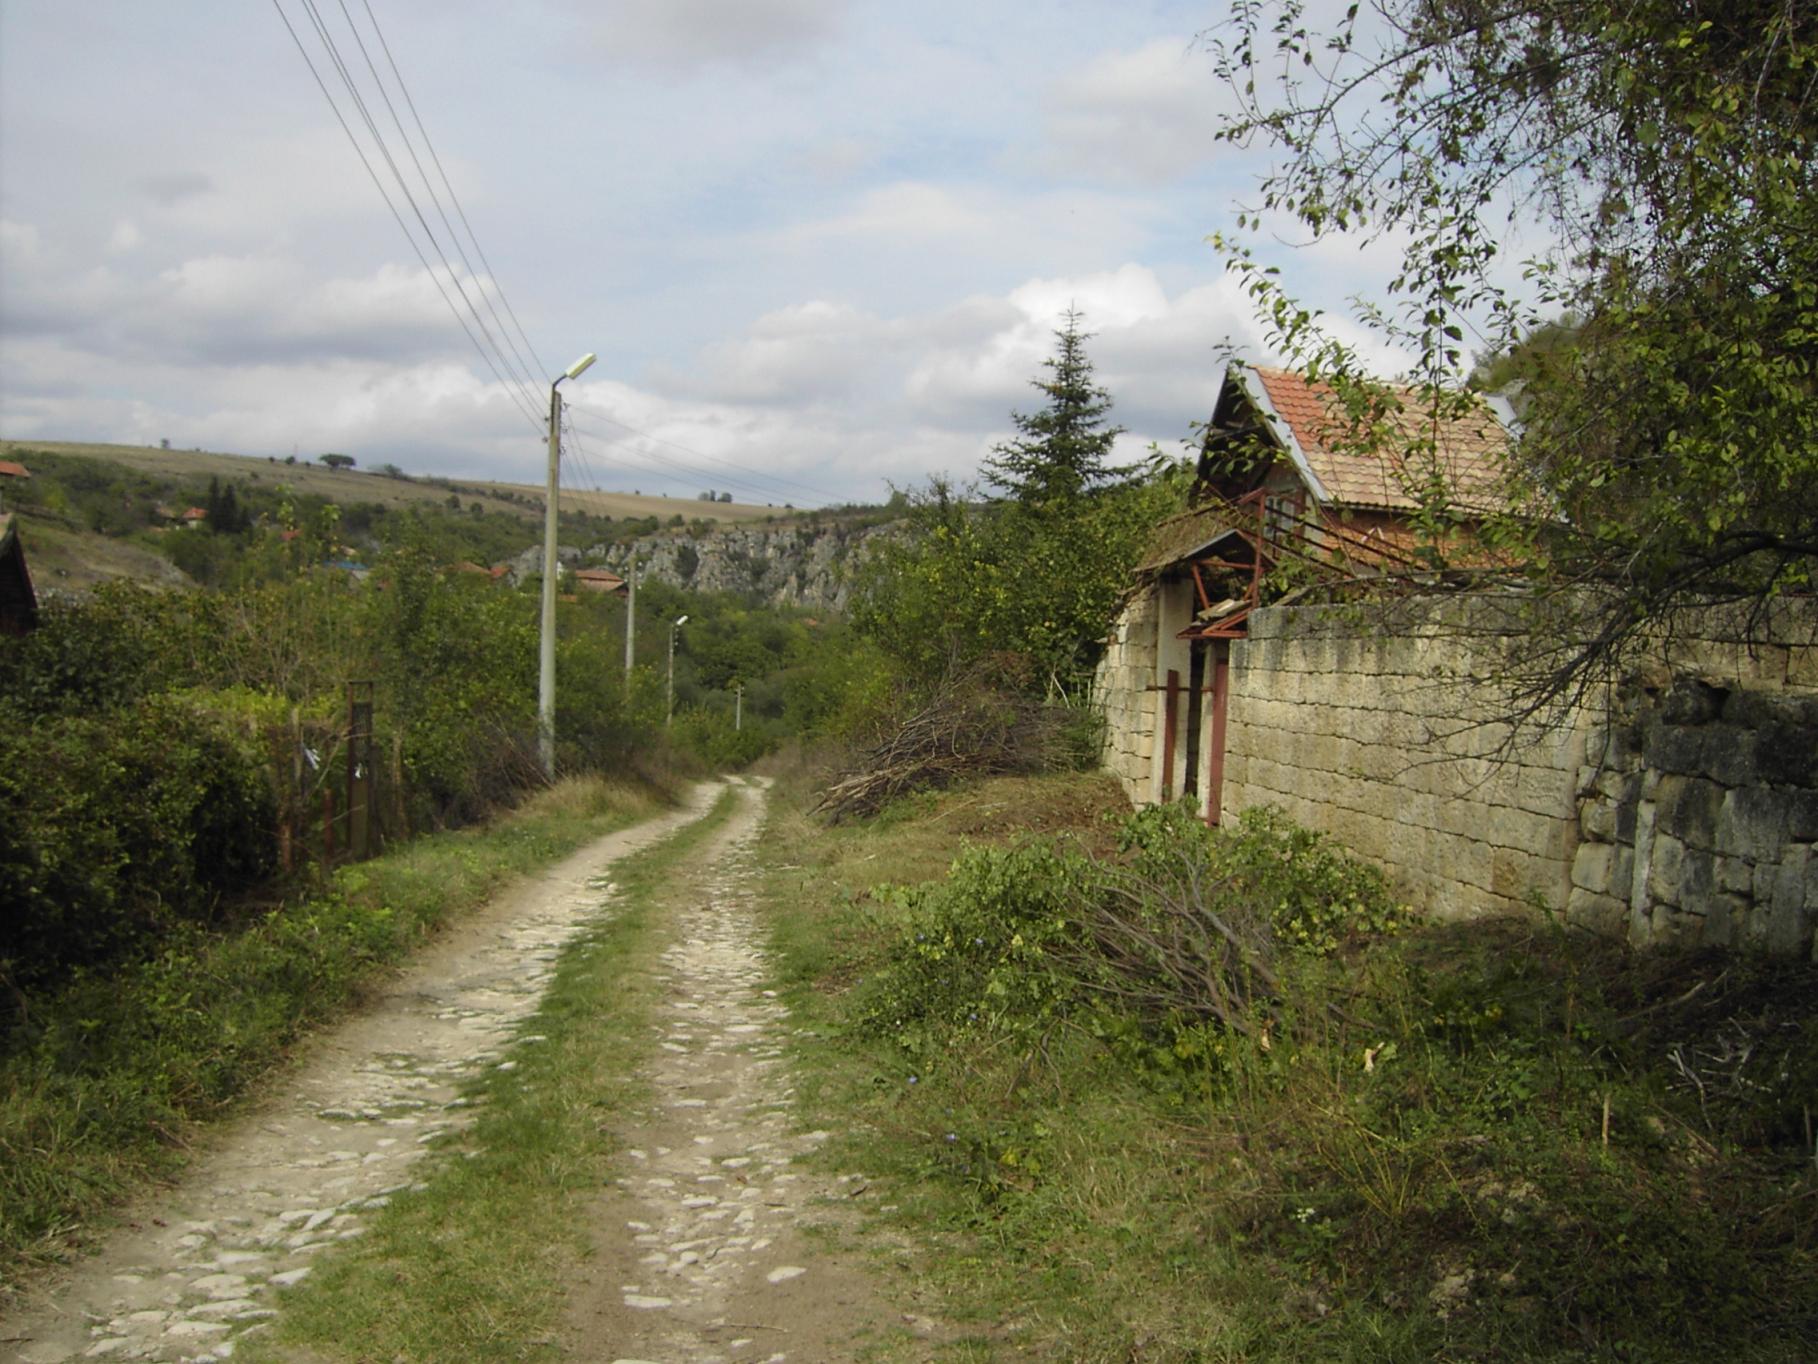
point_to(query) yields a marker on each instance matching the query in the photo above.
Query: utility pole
(631, 622)
(738, 707)
(546, 640)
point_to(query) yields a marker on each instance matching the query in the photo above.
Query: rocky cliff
(800, 564)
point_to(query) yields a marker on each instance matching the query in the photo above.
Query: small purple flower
(953, 1136)
(914, 1078)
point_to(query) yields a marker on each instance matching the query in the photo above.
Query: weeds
(1491, 1141)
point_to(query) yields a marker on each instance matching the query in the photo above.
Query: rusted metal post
(359, 769)
(1169, 720)
(328, 825)
(1215, 758)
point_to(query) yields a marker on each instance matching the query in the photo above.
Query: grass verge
(108, 1077)
(472, 1264)
(1493, 1141)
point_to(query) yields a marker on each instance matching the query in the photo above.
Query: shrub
(1180, 936)
(120, 825)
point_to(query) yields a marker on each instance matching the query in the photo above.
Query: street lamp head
(574, 371)
(681, 620)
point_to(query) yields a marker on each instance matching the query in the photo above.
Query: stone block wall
(1685, 809)
(1122, 685)
(1699, 822)
(1382, 738)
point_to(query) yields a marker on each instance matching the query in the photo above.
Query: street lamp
(669, 707)
(546, 671)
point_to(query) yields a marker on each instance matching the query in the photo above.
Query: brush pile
(969, 729)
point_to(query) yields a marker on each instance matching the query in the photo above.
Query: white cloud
(175, 186)
(1142, 116)
(690, 33)
(125, 237)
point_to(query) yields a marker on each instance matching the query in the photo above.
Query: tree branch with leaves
(1663, 149)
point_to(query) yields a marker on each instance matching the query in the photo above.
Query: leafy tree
(1669, 456)
(1036, 587)
(1061, 453)
(335, 461)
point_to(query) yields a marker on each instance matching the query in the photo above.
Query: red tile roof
(13, 469)
(1467, 450)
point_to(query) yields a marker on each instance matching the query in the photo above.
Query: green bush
(120, 825)
(1187, 933)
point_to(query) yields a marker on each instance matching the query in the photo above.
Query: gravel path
(704, 1252)
(194, 1268)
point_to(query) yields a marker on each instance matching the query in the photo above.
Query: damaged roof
(1307, 421)
(1184, 535)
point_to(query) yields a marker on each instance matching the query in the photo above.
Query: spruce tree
(1061, 453)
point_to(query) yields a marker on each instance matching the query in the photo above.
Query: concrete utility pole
(546, 642)
(631, 622)
(738, 707)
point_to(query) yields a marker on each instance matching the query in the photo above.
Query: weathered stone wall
(1700, 823)
(1684, 809)
(1122, 686)
(1380, 738)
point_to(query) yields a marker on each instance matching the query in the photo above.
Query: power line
(514, 372)
(491, 277)
(651, 459)
(372, 127)
(513, 387)
(460, 212)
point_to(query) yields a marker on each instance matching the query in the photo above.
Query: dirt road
(700, 1253)
(704, 1251)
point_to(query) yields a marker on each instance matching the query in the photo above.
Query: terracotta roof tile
(1468, 450)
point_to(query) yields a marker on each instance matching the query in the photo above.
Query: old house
(1283, 485)
(600, 580)
(1680, 806)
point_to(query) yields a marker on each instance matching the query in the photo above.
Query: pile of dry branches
(1177, 939)
(969, 729)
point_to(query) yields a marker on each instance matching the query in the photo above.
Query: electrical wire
(515, 373)
(759, 484)
(525, 389)
(480, 282)
(453, 198)
(513, 389)
(711, 459)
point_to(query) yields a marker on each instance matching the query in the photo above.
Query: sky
(819, 246)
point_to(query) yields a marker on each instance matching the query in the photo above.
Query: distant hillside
(372, 485)
(94, 512)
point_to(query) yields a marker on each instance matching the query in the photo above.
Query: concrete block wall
(1685, 809)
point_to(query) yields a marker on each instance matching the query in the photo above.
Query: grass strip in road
(101, 1091)
(473, 1265)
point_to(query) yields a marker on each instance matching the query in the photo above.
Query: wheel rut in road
(196, 1266)
(705, 1250)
